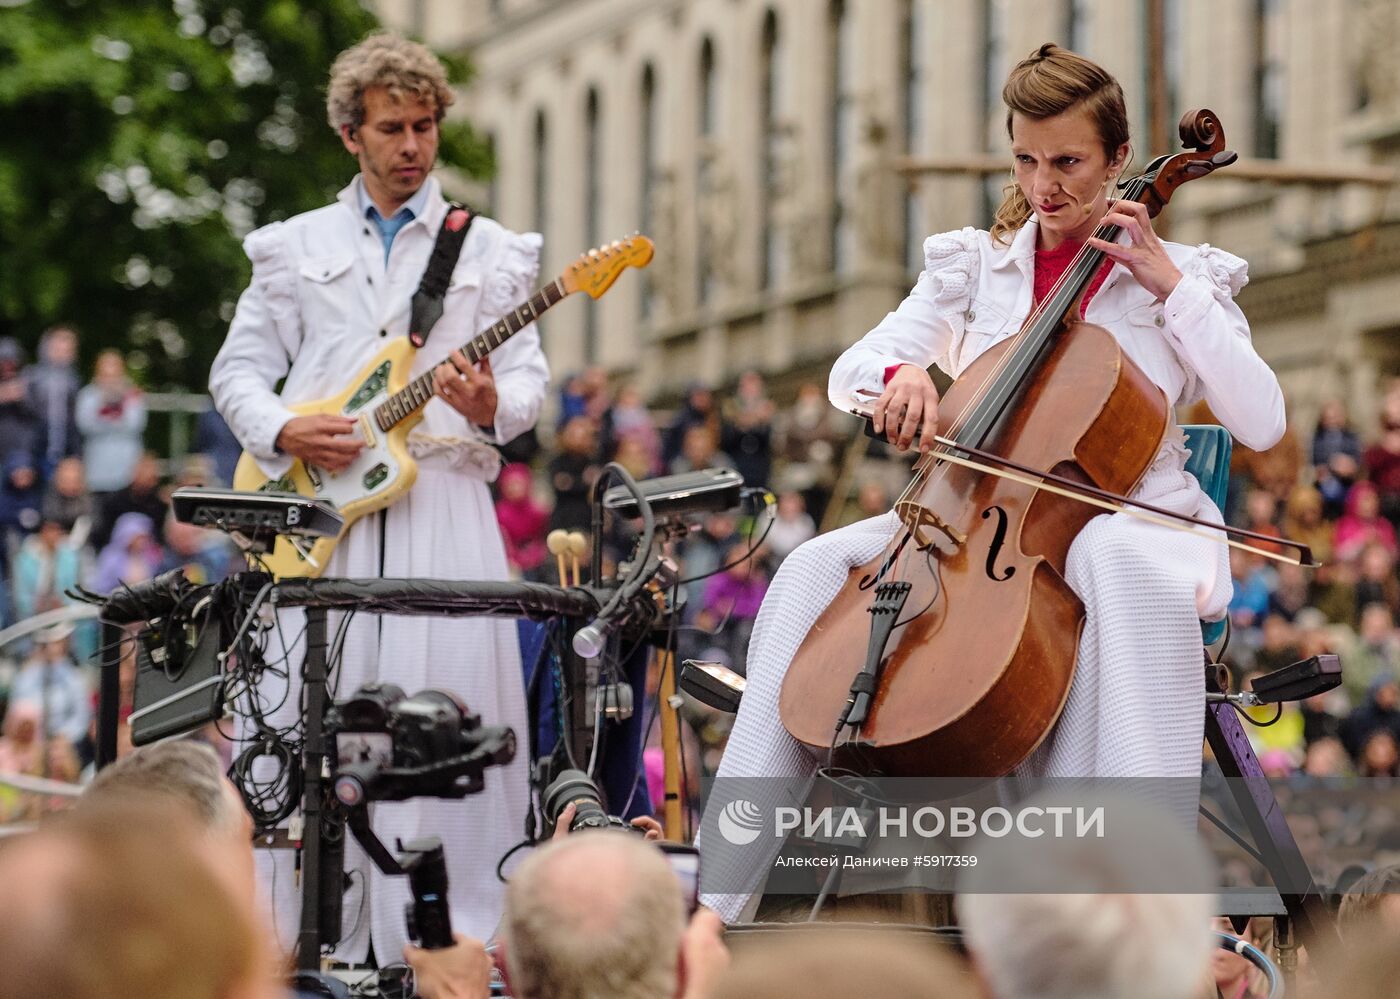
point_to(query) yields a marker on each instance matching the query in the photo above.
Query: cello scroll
(1204, 139)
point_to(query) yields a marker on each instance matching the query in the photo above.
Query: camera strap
(426, 307)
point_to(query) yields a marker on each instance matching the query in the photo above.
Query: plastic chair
(1210, 447)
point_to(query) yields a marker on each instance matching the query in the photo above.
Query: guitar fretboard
(415, 395)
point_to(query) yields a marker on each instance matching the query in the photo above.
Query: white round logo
(740, 822)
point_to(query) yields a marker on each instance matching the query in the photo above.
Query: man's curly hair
(401, 67)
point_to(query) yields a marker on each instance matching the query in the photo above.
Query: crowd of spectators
(157, 855)
(1337, 490)
(82, 503)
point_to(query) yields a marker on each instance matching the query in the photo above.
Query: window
(1268, 77)
(912, 118)
(592, 213)
(647, 214)
(994, 71)
(1078, 17)
(842, 129)
(772, 261)
(705, 179)
(492, 189)
(540, 181)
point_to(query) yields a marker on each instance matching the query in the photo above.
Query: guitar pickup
(367, 431)
(376, 476)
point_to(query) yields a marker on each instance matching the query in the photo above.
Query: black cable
(501, 864)
(634, 582)
(742, 558)
(1245, 715)
(350, 876)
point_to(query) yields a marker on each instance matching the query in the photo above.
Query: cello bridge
(921, 521)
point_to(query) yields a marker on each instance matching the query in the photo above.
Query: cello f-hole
(994, 549)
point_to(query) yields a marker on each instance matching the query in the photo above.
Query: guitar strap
(426, 308)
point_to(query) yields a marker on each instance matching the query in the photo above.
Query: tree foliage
(140, 140)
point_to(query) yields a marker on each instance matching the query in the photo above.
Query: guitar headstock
(595, 271)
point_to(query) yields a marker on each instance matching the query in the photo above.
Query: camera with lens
(576, 787)
(391, 747)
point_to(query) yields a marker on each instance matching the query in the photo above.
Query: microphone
(590, 640)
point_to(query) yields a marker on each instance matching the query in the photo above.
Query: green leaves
(140, 140)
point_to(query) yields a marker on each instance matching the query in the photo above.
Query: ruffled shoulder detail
(272, 271)
(264, 248)
(1225, 272)
(951, 258)
(515, 273)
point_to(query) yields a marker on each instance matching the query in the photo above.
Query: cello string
(1076, 273)
(928, 464)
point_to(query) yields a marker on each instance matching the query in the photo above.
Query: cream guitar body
(381, 473)
(386, 404)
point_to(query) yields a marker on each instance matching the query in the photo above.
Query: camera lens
(350, 790)
(577, 787)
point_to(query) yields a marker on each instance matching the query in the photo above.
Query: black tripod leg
(109, 692)
(313, 756)
(1267, 825)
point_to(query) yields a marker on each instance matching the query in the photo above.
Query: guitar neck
(415, 395)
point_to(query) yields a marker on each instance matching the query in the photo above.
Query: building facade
(759, 142)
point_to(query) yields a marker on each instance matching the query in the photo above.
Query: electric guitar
(386, 405)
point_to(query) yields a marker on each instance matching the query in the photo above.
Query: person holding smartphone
(592, 915)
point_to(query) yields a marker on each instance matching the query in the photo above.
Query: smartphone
(685, 862)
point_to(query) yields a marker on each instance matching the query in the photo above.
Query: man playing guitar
(329, 288)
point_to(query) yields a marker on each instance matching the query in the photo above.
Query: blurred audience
(19, 423)
(1362, 524)
(111, 413)
(791, 526)
(1087, 917)
(571, 474)
(123, 900)
(52, 383)
(52, 681)
(131, 556)
(600, 915)
(748, 430)
(524, 522)
(1336, 456)
(816, 961)
(142, 495)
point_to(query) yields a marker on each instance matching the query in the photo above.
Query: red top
(1049, 266)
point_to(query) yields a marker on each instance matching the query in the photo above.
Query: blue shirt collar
(415, 206)
(389, 228)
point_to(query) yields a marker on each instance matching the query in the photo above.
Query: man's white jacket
(322, 302)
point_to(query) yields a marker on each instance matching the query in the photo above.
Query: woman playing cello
(1135, 706)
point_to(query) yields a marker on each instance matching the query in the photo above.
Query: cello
(971, 630)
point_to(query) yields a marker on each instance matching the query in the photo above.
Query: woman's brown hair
(1051, 81)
